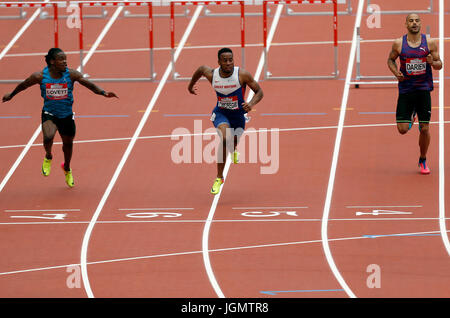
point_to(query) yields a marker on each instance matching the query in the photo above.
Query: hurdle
(335, 73)
(40, 5)
(347, 11)
(149, 4)
(380, 79)
(80, 5)
(175, 75)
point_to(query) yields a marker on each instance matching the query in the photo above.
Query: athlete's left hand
(430, 59)
(246, 107)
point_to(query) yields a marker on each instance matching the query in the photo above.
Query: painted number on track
(260, 214)
(144, 215)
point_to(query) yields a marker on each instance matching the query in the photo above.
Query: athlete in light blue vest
(56, 81)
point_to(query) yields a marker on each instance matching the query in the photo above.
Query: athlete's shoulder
(37, 76)
(75, 75)
(397, 44)
(245, 75)
(431, 43)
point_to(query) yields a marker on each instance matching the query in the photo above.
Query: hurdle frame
(142, 3)
(176, 76)
(267, 74)
(375, 79)
(347, 11)
(34, 4)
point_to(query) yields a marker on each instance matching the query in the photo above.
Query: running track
(339, 154)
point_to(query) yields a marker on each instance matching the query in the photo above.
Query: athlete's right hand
(7, 97)
(400, 76)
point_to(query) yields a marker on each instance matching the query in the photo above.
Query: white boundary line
(87, 235)
(442, 224)
(326, 209)
(226, 249)
(205, 237)
(212, 134)
(38, 130)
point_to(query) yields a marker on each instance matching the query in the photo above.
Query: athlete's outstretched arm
(433, 58)
(203, 70)
(247, 79)
(393, 55)
(33, 79)
(78, 77)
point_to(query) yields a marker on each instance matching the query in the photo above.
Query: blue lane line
(375, 113)
(99, 116)
(186, 115)
(300, 291)
(390, 235)
(291, 114)
(13, 117)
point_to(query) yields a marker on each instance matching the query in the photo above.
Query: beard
(414, 31)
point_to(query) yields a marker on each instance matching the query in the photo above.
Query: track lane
(377, 170)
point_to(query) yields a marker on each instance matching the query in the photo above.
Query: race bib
(416, 66)
(56, 91)
(228, 102)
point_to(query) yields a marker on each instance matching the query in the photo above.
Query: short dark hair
(223, 50)
(51, 54)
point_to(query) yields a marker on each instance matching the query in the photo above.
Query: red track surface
(283, 254)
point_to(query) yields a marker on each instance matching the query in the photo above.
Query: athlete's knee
(67, 141)
(402, 129)
(48, 139)
(424, 128)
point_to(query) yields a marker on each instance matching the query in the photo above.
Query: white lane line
(21, 31)
(205, 237)
(227, 249)
(213, 134)
(38, 130)
(326, 209)
(87, 235)
(442, 224)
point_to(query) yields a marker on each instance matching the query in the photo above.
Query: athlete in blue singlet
(56, 82)
(418, 55)
(229, 83)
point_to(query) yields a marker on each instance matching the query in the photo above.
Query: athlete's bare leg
(424, 139)
(228, 143)
(48, 130)
(67, 149)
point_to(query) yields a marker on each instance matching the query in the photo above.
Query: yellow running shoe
(235, 157)
(46, 167)
(216, 185)
(69, 176)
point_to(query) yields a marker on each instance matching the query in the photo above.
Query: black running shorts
(419, 100)
(66, 126)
